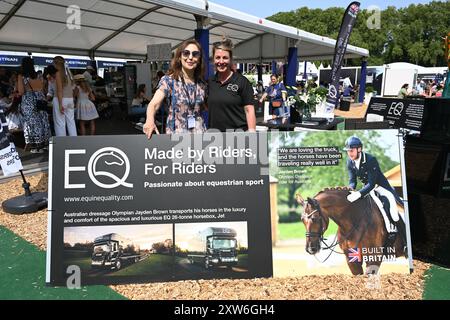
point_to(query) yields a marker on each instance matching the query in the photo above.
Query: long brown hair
(59, 63)
(175, 65)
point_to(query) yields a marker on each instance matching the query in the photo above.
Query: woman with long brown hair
(185, 91)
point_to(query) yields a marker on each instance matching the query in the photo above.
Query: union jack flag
(354, 255)
(354, 8)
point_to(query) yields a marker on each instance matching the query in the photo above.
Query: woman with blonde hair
(184, 90)
(231, 101)
(86, 110)
(63, 104)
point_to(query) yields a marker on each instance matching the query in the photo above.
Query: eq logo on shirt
(232, 87)
(107, 168)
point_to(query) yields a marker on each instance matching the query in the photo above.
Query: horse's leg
(355, 268)
(372, 267)
(400, 243)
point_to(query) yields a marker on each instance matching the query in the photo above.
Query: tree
(416, 51)
(412, 34)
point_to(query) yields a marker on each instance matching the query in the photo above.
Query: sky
(144, 235)
(267, 8)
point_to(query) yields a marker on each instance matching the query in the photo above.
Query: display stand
(27, 203)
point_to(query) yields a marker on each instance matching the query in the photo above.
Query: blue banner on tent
(72, 63)
(10, 60)
(42, 61)
(107, 64)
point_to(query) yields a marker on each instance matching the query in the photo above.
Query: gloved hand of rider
(353, 196)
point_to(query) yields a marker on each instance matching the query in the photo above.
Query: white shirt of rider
(357, 162)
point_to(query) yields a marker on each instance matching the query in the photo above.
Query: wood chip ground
(33, 228)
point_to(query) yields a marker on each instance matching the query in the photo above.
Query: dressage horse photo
(360, 225)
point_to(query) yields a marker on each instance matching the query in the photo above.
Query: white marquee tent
(124, 28)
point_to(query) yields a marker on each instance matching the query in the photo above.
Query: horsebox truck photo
(214, 247)
(113, 251)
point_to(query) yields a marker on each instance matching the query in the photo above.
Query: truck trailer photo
(214, 247)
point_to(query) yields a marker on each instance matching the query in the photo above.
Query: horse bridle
(314, 203)
(309, 234)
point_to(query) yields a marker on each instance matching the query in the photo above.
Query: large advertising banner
(127, 209)
(341, 201)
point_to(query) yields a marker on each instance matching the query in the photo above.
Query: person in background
(49, 77)
(277, 94)
(140, 97)
(88, 75)
(419, 88)
(36, 127)
(184, 90)
(403, 93)
(439, 91)
(347, 83)
(40, 75)
(259, 89)
(86, 111)
(140, 102)
(63, 104)
(5, 104)
(230, 97)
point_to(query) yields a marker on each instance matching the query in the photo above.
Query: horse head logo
(332, 92)
(112, 158)
(315, 223)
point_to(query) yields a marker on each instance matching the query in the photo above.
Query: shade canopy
(124, 28)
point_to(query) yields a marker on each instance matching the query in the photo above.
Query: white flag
(10, 160)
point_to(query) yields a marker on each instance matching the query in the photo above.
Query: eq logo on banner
(107, 168)
(396, 109)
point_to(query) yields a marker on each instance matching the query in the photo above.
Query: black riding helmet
(352, 142)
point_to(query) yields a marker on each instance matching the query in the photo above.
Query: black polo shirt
(226, 102)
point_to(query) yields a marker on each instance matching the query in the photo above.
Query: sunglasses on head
(187, 53)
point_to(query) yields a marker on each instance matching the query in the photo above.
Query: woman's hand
(60, 107)
(149, 127)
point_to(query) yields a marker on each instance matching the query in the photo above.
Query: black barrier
(170, 208)
(401, 113)
(428, 176)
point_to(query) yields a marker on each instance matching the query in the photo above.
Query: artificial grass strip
(437, 284)
(22, 275)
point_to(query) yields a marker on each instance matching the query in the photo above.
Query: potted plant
(368, 94)
(306, 104)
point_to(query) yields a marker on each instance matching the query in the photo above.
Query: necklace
(226, 79)
(186, 77)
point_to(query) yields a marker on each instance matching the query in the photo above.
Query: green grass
(22, 275)
(437, 284)
(296, 230)
(83, 263)
(153, 266)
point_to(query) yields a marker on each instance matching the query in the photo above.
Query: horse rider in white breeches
(392, 207)
(365, 167)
